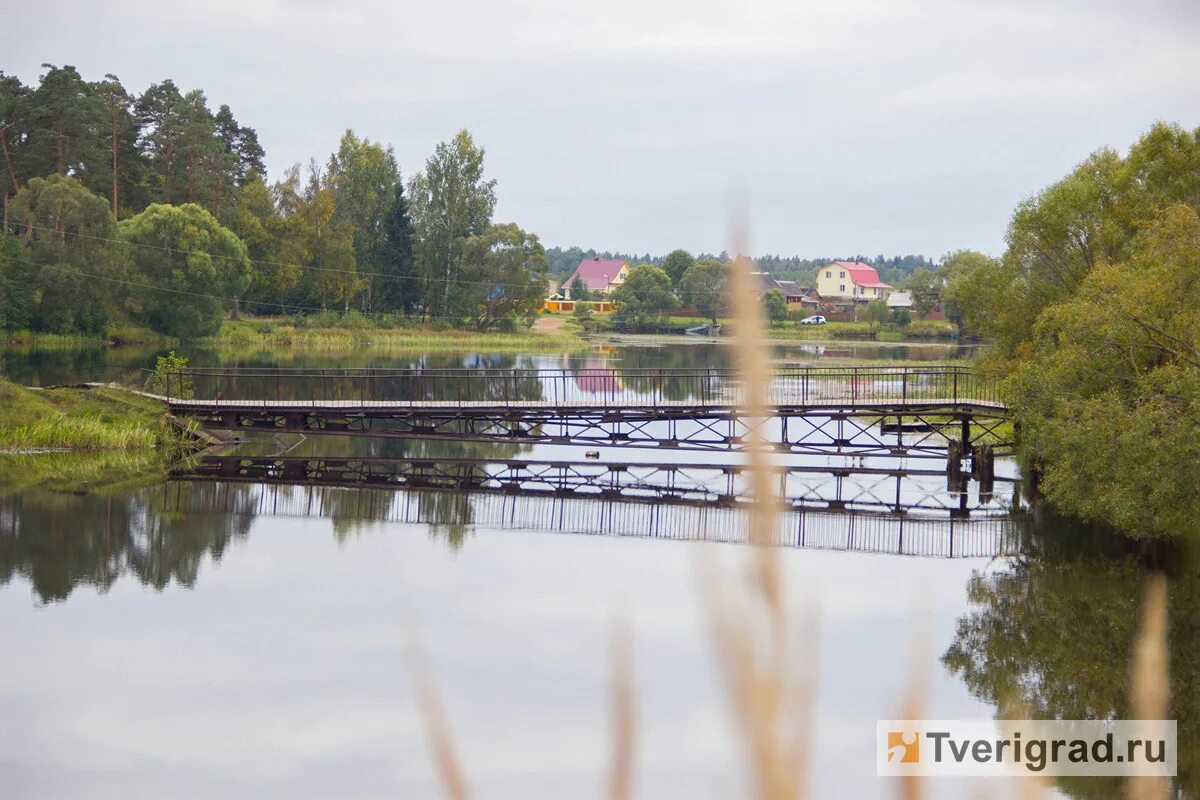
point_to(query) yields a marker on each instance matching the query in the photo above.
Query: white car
(816, 319)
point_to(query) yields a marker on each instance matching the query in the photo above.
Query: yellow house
(851, 280)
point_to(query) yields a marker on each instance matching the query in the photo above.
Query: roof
(900, 300)
(767, 282)
(597, 273)
(862, 275)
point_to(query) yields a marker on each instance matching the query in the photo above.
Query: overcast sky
(872, 126)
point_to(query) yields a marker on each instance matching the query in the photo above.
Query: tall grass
(78, 433)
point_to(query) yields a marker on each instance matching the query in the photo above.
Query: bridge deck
(631, 404)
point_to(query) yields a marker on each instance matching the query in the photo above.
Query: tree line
(892, 269)
(153, 209)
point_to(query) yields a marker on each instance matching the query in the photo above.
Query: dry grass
(1150, 690)
(769, 677)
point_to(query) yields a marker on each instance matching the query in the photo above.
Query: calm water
(244, 640)
(49, 367)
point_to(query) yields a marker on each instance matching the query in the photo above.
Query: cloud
(860, 126)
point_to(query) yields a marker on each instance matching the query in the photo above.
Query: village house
(792, 292)
(851, 280)
(600, 275)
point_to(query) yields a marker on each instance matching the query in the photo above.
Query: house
(790, 290)
(600, 275)
(851, 280)
(900, 300)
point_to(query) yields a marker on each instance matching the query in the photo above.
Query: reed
(769, 679)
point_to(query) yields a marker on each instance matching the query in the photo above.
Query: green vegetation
(676, 264)
(642, 299)
(153, 212)
(704, 287)
(775, 304)
(101, 419)
(328, 332)
(1095, 307)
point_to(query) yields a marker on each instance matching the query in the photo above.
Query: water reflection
(44, 367)
(1051, 632)
(163, 533)
(60, 541)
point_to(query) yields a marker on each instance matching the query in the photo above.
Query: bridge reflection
(898, 489)
(870, 510)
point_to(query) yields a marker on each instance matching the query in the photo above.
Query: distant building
(790, 290)
(600, 275)
(851, 280)
(900, 300)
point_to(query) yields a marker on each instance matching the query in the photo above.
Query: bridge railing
(583, 387)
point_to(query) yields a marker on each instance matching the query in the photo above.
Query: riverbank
(101, 419)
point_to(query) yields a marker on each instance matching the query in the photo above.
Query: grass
(115, 335)
(102, 419)
(265, 334)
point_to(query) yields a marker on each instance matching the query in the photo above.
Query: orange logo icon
(904, 748)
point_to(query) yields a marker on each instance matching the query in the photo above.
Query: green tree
(63, 117)
(643, 297)
(400, 290)
(926, 289)
(18, 286)
(676, 264)
(312, 236)
(580, 291)
(1091, 217)
(504, 273)
(969, 297)
(450, 201)
(187, 264)
(67, 233)
(877, 313)
(364, 176)
(1108, 391)
(775, 305)
(705, 287)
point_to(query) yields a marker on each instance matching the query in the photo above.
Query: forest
(151, 209)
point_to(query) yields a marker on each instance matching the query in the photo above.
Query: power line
(356, 273)
(241, 301)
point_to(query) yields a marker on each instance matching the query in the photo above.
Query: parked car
(815, 319)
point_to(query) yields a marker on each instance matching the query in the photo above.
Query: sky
(833, 128)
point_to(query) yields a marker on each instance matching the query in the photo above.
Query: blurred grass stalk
(770, 679)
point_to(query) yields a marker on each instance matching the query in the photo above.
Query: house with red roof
(600, 275)
(851, 280)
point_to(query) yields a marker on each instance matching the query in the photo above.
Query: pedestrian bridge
(913, 411)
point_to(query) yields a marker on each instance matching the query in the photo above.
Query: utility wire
(242, 301)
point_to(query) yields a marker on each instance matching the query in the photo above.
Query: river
(193, 638)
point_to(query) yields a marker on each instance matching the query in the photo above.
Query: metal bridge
(861, 411)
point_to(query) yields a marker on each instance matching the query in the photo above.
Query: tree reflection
(59, 541)
(1050, 636)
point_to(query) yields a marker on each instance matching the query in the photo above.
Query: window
(829, 274)
(842, 288)
(842, 275)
